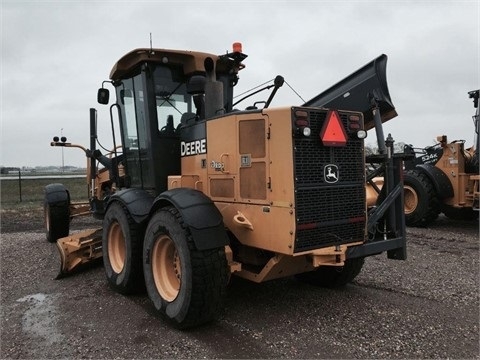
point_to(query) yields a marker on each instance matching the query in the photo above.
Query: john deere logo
(330, 173)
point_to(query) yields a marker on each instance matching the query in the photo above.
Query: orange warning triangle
(333, 133)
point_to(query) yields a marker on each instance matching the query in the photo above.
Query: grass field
(32, 191)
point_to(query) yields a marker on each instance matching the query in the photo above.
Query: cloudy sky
(55, 54)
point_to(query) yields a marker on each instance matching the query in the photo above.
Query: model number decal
(432, 158)
(195, 147)
(217, 165)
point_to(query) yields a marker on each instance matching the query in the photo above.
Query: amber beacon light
(237, 47)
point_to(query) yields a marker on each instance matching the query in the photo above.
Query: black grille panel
(311, 156)
(328, 213)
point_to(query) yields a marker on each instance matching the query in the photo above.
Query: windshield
(172, 100)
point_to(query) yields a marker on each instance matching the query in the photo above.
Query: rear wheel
(333, 276)
(421, 205)
(187, 286)
(122, 250)
(56, 212)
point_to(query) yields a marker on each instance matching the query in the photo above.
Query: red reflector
(333, 133)
(301, 114)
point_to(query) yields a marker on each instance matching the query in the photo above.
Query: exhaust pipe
(213, 91)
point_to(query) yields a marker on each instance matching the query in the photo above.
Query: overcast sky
(55, 55)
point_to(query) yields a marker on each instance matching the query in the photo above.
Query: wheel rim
(410, 199)
(166, 268)
(116, 247)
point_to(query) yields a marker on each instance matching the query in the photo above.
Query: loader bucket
(355, 92)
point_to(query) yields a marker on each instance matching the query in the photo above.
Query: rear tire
(333, 276)
(187, 286)
(56, 212)
(421, 203)
(122, 250)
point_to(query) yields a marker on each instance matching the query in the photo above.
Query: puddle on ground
(40, 317)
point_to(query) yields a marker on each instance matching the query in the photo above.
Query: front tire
(187, 286)
(56, 212)
(122, 250)
(421, 204)
(333, 276)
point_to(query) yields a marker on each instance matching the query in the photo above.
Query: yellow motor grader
(201, 190)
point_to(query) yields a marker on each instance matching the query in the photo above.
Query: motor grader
(197, 189)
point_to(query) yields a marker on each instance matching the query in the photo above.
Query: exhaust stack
(213, 91)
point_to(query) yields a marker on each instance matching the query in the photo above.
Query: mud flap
(79, 250)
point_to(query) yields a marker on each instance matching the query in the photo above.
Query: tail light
(355, 127)
(302, 124)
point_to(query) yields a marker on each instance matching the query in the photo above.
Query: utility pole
(63, 162)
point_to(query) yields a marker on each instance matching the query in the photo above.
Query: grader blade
(356, 91)
(78, 250)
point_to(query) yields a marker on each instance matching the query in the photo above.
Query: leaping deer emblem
(331, 173)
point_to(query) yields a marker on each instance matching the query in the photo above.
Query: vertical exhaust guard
(213, 91)
(359, 92)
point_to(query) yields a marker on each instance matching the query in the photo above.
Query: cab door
(136, 149)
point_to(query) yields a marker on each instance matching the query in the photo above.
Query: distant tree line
(4, 170)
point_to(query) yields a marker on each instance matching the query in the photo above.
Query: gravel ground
(425, 307)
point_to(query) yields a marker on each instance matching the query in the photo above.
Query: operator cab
(160, 92)
(151, 104)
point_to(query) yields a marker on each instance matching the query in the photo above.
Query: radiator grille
(328, 213)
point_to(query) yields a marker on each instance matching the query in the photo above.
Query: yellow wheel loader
(442, 178)
(203, 188)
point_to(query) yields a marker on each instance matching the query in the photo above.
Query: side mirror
(103, 96)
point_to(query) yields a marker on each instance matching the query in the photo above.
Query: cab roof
(192, 61)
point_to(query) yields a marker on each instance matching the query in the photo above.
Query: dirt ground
(425, 307)
(31, 219)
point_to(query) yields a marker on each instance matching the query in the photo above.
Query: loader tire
(122, 250)
(333, 276)
(421, 204)
(187, 286)
(56, 212)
